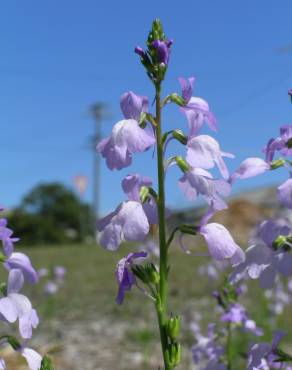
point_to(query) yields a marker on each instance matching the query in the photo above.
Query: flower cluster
(144, 209)
(270, 250)
(144, 206)
(210, 352)
(131, 220)
(14, 306)
(207, 350)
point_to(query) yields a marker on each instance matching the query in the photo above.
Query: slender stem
(229, 346)
(161, 305)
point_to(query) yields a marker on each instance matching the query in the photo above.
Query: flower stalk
(161, 305)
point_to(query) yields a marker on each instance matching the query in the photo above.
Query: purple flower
(290, 92)
(33, 358)
(141, 52)
(6, 238)
(262, 260)
(51, 288)
(59, 272)
(2, 364)
(269, 230)
(28, 321)
(215, 365)
(286, 135)
(127, 137)
(203, 151)
(17, 306)
(284, 194)
(124, 275)
(279, 144)
(43, 272)
(196, 109)
(250, 167)
(133, 105)
(20, 261)
(221, 244)
(131, 185)
(273, 146)
(162, 50)
(236, 314)
(187, 85)
(263, 355)
(206, 346)
(198, 181)
(127, 223)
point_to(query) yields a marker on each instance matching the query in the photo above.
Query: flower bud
(183, 165)
(146, 273)
(173, 327)
(290, 94)
(157, 28)
(173, 354)
(138, 50)
(154, 277)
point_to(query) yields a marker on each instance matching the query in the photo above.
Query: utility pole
(98, 112)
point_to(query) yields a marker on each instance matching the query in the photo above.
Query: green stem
(161, 306)
(229, 346)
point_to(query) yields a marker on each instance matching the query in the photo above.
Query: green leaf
(46, 364)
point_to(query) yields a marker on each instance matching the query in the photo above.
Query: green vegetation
(52, 214)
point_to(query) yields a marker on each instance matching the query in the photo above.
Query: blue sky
(58, 57)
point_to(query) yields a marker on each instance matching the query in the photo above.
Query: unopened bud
(138, 50)
(146, 273)
(173, 354)
(157, 27)
(162, 67)
(173, 327)
(154, 277)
